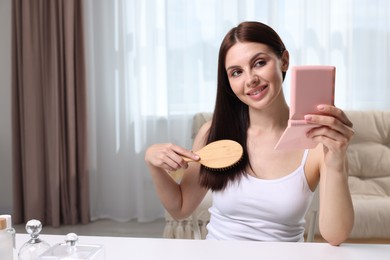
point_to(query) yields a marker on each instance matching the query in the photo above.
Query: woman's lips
(257, 91)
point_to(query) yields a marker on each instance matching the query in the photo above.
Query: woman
(266, 196)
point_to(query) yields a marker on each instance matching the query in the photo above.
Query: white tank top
(262, 210)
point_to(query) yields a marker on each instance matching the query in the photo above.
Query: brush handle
(219, 154)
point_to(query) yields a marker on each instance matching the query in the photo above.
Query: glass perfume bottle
(35, 246)
(7, 238)
(73, 250)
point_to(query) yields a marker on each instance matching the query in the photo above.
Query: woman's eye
(260, 63)
(236, 73)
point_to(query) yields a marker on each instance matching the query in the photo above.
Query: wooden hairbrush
(219, 155)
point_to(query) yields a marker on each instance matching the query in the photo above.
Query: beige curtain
(49, 112)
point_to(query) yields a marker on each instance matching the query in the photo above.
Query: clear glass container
(7, 238)
(35, 246)
(71, 250)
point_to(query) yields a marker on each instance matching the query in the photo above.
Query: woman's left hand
(334, 132)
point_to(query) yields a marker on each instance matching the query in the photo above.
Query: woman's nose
(253, 81)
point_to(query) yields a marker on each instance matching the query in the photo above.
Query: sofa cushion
(371, 126)
(370, 187)
(372, 216)
(369, 160)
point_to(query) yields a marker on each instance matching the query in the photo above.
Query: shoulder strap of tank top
(305, 154)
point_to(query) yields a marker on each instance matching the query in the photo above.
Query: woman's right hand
(168, 156)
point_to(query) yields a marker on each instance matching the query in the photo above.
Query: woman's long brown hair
(231, 118)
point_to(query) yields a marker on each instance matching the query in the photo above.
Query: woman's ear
(285, 60)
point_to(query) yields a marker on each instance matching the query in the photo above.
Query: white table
(172, 249)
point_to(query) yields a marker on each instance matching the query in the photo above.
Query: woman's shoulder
(205, 127)
(201, 136)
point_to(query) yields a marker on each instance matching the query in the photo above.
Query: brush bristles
(224, 168)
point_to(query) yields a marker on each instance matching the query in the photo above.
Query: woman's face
(255, 73)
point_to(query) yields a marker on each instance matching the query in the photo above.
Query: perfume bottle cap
(3, 223)
(34, 227)
(71, 239)
(8, 220)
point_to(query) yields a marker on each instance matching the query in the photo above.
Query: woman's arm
(336, 210)
(179, 199)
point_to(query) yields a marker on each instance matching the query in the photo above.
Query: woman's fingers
(331, 123)
(333, 118)
(169, 156)
(335, 128)
(329, 137)
(336, 112)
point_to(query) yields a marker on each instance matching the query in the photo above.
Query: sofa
(369, 174)
(369, 180)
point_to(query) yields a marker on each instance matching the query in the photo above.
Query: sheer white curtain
(152, 65)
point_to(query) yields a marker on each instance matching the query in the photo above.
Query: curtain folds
(49, 112)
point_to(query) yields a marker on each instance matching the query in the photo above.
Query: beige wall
(5, 108)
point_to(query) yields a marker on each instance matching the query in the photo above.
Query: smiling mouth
(257, 91)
